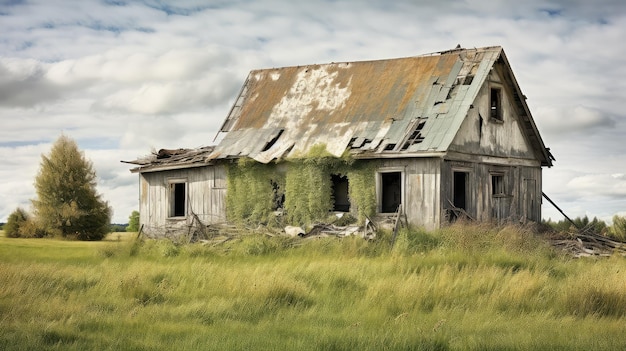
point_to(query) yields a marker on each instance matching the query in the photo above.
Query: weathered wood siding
(521, 200)
(421, 189)
(205, 198)
(481, 135)
(485, 147)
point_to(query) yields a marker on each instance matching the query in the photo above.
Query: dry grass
(472, 288)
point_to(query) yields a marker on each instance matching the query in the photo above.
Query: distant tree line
(615, 231)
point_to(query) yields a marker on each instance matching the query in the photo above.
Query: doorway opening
(460, 190)
(340, 193)
(391, 191)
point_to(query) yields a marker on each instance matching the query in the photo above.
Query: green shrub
(133, 222)
(618, 229)
(15, 223)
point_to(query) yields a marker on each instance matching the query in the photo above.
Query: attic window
(390, 147)
(495, 104)
(468, 80)
(415, 137)
(273, 141)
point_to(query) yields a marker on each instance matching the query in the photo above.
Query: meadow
(459, 288)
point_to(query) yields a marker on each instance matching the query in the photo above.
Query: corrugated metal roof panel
(373, 102)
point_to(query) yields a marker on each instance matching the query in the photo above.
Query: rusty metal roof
(404, 107)
(382, 108)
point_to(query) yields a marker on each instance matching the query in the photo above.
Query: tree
(15, 223)
(133, 222)
(618, 229)
(67, 202)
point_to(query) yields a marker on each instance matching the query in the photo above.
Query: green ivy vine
(306, 184)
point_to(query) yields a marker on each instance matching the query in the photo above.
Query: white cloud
(568, 119)
(124, 79)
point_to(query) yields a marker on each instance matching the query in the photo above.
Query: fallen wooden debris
(586, 243)
(323, 230)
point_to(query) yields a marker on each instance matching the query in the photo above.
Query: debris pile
(586, 243)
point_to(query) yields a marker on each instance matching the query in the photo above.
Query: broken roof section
(402, 107)
(167, 159)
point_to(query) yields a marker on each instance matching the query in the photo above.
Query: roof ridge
(436, 53)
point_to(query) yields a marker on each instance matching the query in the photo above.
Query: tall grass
(459, 288)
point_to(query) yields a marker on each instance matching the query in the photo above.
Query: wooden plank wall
(206, 198)
(522, 200)
(421, 189)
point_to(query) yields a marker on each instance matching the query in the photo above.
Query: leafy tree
(15, 223)
(133, 222)
(67, 202)
(618, 229)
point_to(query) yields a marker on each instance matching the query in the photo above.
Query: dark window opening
(356, 143)
(340, 193)
(390, 147)
(278, 200)
(391, 191)
(460, 190)
(468, 80)
(178, 191)
(497, 185)
(495, 104)
(273, 141)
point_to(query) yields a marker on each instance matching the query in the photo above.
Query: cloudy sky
(124, 77)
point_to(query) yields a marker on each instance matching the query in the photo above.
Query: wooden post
(396, 225)
(557, 207)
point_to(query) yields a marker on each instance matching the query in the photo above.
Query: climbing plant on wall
(306, 184)
(362, 189)
(252, 189)
(308, 191)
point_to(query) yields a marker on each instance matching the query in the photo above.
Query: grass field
(461, 288)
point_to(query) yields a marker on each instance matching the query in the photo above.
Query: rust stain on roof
(405, 106)
(373, 91)
(398, 106)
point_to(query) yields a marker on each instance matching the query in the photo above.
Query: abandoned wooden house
(436, 136)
